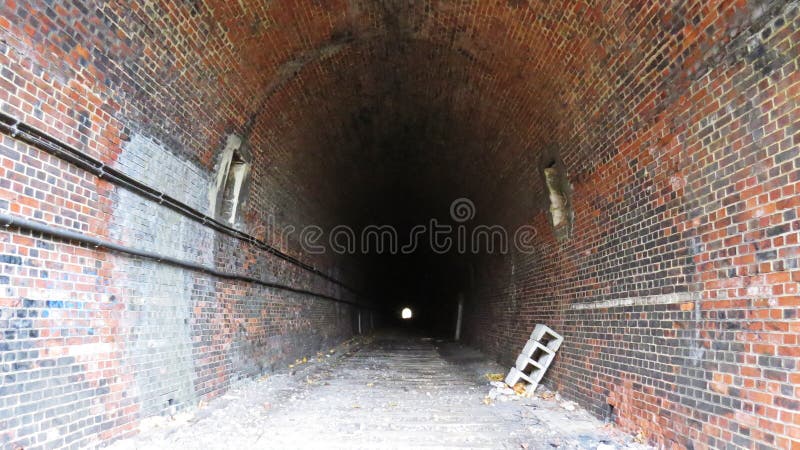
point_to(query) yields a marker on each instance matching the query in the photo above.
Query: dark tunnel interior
(194, 194)
(416, 140)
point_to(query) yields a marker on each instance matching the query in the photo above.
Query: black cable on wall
(10, 221)
(53, 146)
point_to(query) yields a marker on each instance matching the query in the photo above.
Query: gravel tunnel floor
(392, 390)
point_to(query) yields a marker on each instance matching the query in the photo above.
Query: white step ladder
(535, 358)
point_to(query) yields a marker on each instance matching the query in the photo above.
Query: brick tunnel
(208, 203)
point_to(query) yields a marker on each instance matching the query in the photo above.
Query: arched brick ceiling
(462, 98)
(349, 102)
(456, 99)
(392, 99)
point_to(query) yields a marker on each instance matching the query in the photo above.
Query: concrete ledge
(664, 299)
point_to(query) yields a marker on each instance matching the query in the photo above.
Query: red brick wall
(677, 288)
(675, 122)
(94, 341)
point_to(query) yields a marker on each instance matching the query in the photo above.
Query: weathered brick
(672, 120)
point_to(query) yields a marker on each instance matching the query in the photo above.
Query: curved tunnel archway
(669, 129)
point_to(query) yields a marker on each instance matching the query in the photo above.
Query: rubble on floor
(549, 415)
(395, 391)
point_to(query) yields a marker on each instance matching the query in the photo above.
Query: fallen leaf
(495, 376)
(520, 388)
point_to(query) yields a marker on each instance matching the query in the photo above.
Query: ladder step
(541, 364)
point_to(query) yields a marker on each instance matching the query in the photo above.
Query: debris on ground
(382, 397)
(569, 406)
(547, 394)
(495, 376)
(502, 392)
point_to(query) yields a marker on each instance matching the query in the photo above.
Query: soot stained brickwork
(675, 122)
(677, 292)
(95, 341)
